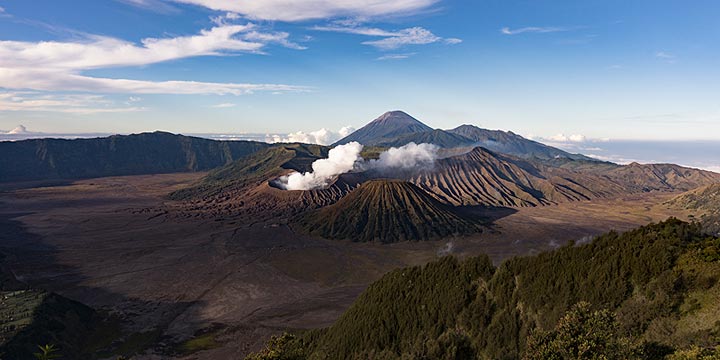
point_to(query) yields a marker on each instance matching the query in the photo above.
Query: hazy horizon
(695, 154)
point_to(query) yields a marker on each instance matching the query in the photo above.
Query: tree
(281, 347)
(580, 334)
(47, 352)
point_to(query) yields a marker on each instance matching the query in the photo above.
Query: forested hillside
(645, 294)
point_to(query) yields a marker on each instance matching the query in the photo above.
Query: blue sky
(601, 69)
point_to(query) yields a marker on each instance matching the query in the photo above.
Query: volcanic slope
(244, 188)
(660, 177)
(385, 128)
(386, 211)
(482, 177)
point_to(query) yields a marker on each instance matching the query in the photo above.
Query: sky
(594, 70)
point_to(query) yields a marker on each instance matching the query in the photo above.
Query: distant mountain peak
(396, 116)
(389, 125)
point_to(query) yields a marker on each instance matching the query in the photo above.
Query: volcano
(386, 211)
(388, 126)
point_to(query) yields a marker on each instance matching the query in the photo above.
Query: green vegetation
(386, 211)
(32, 317)
(256, 168)
(47, 352)
(705, 201)
(282, 347)
(71, 329)
(581, 334)
(650, 293)
(204, 341)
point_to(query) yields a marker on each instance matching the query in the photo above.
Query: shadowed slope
(659, 281)
(146, 153)
(437, 137)
(386, 211)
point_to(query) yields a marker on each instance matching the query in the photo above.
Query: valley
(206, 249)
(118, 244)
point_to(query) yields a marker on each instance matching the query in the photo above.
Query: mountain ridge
(136, 154)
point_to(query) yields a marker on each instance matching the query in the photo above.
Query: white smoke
(340, 160)
(346, 158)
(409, 156)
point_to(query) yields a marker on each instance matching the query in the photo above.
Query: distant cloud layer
(322, 136)
(64, 103)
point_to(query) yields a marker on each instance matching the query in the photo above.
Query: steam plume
(408, 156)
(346, 158)
(341, 159)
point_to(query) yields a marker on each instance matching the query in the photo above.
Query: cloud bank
(322, 136)
(58, 66)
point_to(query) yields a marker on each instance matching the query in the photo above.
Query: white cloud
(2, 9)
(532, 29)
(224, 105)
(391, 39)
(395, 56)
(666, 56)
(352, 28)
(411, 36)
(51, 81)
(102, 52)
(280, 38)
(298, 10)
(73, 103)
(18, 130)
(158, 6)
(568, 138)
(322, 136)
(57, 66)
